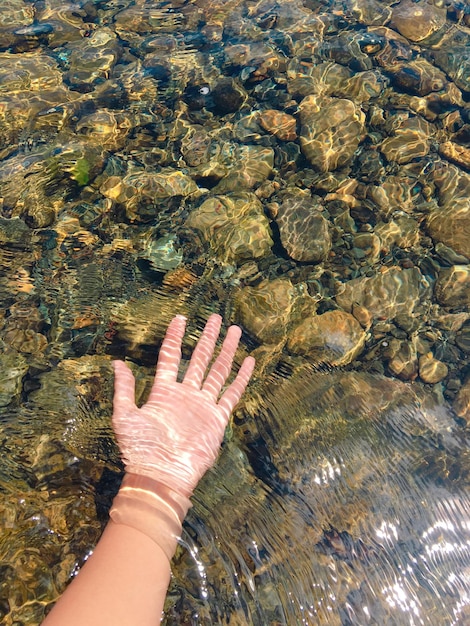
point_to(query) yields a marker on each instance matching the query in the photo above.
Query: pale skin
(125, 580)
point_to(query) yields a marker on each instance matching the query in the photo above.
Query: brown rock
(369, 246)
(431, 370)
(13, 368)
(138, 192)
(25, 340)
(402, 232)
(280, 124)
(452, 288)
(410, 140)
(334, 338)
(455, 153)
(303, 229)
(247, 166)
(418, 20)
(461, 403)
(404, 362)
(331, 131)
(390, 293)
(451, 226)
(419, 77)
(265, 310)
(234, 225)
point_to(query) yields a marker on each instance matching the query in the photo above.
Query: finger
(222, 366)
(234, 392)
(170, 353)
(203, 352)
(124, 389)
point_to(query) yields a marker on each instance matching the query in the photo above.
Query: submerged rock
(402, 359)
(281, 125)
(303, 228)
(452, 288)
(392, 292)
(14, 233)
(270, 308)
(402, 232)
(411, 140)
(418, 20)
(432, 370)
(419, 77)
(140, 192)
(246, 166)
(234, 226)
(461, 403)
(331, 131)
(455, 153)
(228, 96)
(453, 56)
(333, 338)
(451, 226)
(13, 367)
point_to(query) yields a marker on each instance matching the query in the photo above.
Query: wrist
(152, 508)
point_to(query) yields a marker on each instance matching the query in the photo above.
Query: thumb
(124, 389)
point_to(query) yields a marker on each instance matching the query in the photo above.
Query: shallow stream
(303, 168)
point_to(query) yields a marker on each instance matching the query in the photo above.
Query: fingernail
(181, 317)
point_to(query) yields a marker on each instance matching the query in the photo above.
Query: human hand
(176, 435)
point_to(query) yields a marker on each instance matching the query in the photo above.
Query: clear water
(168, 157)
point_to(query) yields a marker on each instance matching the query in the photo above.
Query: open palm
(175, 437)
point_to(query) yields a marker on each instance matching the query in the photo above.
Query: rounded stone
(403, 362)
(461, 404)
(334, 338)
(432, 370)
(228, 96)
(14, 233)
(418, 77)
(266, 310)
(451, 226)
(455, 153)
(391, 292)
(369, 246)
(418, 20)
(331, 131)
(452, 288)
(234, 226)
(304, 231)
(16, 13)
(402, 232)
(279, 124)
(247, 166)
(140, 192)
(410, 140)
(13, 369)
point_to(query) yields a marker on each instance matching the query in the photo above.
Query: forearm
(123, 583)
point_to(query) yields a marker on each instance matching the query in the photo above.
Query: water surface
(301, 168)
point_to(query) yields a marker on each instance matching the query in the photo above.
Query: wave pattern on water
(302, 168)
